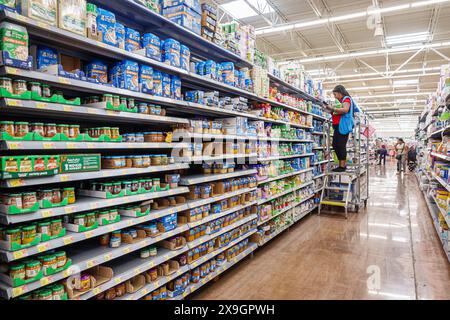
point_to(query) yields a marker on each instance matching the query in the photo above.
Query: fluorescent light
(396, 50)
(396, 95)
(261, 5)
(396, 102)
(347, 17)
(239, 9)
(379, 78)
(408, 38)
(352, 75)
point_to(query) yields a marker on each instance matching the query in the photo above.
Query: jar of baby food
(139, 137)
(137, 161)
(43, 228)
(28, 234)
(115, 133)
(116, 101)
(28, 200)
(56, 197)
(58, 292)
(7, 127)
(115, 242)
(32, 269)
(131, 104)
(104, 239)
(46, 92)
(143, 108)
(17, 272)
(56, 226)
(19, 86)
(14, 236)
(145, 253)
(157, 183)
(6, 83)
(108, 98)
(50, 130)
(117, 188)
(46, 295)
(48, 263)
(11, 165)
(164, 160)
(156, 160)
(36, 88)
(90, 220)
(37, 127)
(113, 214)
(123, 102)
(69, 193)
(21, 129)
(74, 131)
(61, 258)
(79, 220)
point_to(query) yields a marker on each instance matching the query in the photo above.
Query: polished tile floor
(388, 251)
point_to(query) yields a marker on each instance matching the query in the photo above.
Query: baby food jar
(17, 272)
(19, 86)
(113, 214)
(61, 259)
(90, 220)
(139, 137)
(137, 161)
(116, 101)
(28, 234)
(104, 239)
(103, 215)
(131, 104)
(21, 129)
(146, 162)
(43, 228)
(115, 134)
(29, 199)
(46, 294)
(145, 253)
(50, 130)
(156, 160)
(164, 160)
(6, 83)
(48, 262)
(143, 108)
(37, 127)
(117, 188)
(74, 131)
(36, 88)
(123, 102)
(115, 242)
(14, 236)
(7, 127)
(46, 92)
(58, 292)
(56, 226)
(32, 269)
(69, 193)
(56, 196)
(108, 98)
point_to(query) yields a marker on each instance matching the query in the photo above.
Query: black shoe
(339, 169)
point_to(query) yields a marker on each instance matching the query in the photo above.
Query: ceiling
(335, 40)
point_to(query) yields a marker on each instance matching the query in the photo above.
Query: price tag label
(15, 145)
(126, 250)
(96, 291)
(166, 256)
(69, 210)
(90, 263)
(152, 264)
(43, 25)
(45, 281)
(107, 257)
(68, 240)
(19, 254)
(68, 108)
(17, 291)
(90, 145)
(46, 213)
(157, 284)
(13, 71)
(179, 273)
(16, 182)
(64, 177)
(137, 271)
(43, 247)
(63, 80)
(91, 110)
(67, 272)
(48, 145)
(203, 281)
(93, 205)
(14, 103)
(71, 145)
(117, 280)
(145, 291)
(89, 234)
(111, 228)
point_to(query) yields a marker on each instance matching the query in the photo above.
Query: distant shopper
(382, 154)
(412, 158)
(343, 124)
(400, 154)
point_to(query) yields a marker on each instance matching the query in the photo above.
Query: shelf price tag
(71, 145)
(45, 281)
(157, 284)
(64, 177)
(17, 291)
(20, 254)
(43, 247)
(15, 145)
(69, 209)
(107, 257)
(89, 234)
(14, 103)
(96, 291)
(63, 80)
(46, 213)
(137, 271)
(117, 280)
(48, 145)
(68, 108)
(13, 71)
(16, 182)
(91, 263)
(126, 250)
(68, 240)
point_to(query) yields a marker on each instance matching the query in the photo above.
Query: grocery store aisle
(328, 257)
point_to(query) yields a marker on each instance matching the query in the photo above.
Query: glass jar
(156, 160)
(157, 183)
(32, 269)
(58, 292)
(56, 196)
(142, 184)
(113, 214)
(69, 193)
(36, 88)
(161, 137)
(37, 127)
(131, 103)
(103, 215)
(106, 131)
(171, 160)
(104, 239)
(137, 161)
(56, 227)
(6, 83)
(74, 131)
(146, 162)
(50, 130)
(134, 185)
(95, 99)
(43, 228)
(46, 295)
(17, 272)
(123, 102)
(139, 138)
(116, 101)
(117, 188)
(7, 127)
(115, 133)
(14, 236)
(19, 86)
(28, 234)
(108, 98)
(79, 220)
(61, 259)
(21, 129)
(129, 161)
(48, 262)
(109, 187)
(46, 92)
(142, 108)
(90, 220)
(29, 199)
(114, 242)
(164, 160)
(145, 253)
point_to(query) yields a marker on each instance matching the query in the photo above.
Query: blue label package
(157, 83)
(146, 79)
(106, 24)
(169, 222)
(200, 68)
(116, 75)
(176, 87)
(228, 73)
(210, 69)
(130, 75)
(209, 8)
(46, 57)
(132, 40)
(171, 51)
(185, 17)
(152, 44)
(196, 96)
(166, 85)
(185, 57)
(192, 4)
(120, 35)
(97, 70)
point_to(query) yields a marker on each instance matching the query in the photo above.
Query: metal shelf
(201, 159)
(289, 88)
(318, 133)
(63, 145)
(285, 157)
(320, 162)
(304, 185)
(319, 176)
(107, 173)
(441, 181)
(220, 269)
(187, 136)
(279, 177)
(292, 206)
(203, 178)
(74, 237)
(212, 236)
(441, 156)
(198, 203)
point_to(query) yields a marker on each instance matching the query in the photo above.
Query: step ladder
(346, 182)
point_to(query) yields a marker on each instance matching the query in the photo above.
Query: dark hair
(341, 89)
(447, 98)
(401, 140)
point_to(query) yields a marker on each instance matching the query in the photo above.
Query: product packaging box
(72, 16)
(45, 11)
(185, 17)
(70, 163)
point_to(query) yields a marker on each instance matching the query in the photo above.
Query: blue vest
(347, 123)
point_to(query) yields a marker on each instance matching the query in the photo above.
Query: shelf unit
(123, 260)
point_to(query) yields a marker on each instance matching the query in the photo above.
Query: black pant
(382, 159)
(340, 143)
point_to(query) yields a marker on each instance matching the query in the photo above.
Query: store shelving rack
(178, 113)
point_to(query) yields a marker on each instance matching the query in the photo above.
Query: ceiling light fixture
(408, 38)
(240, 9)
(406, 94)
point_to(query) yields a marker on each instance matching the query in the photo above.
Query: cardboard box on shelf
(70, 163)
(98, 275)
